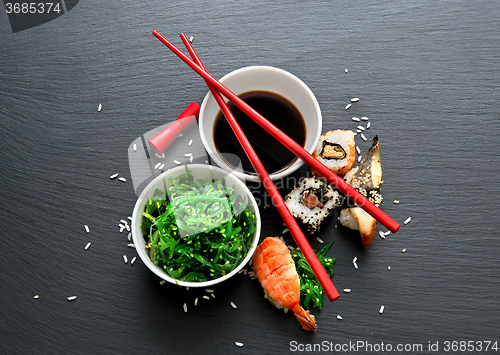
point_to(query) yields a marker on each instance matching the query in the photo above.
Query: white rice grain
(407, 220)
(286, 230)
(196, 301)
(177, 162)
(359, 158)
(161, 166)
(158, 155)
(358, 131)
(162, 282)
(133, 260)
(99, 108)
(403, 251)
(347, 290)
(190, 143)
(233, 305)
(187, 155)
(191, 159)
(36, 297)
(319, 240)
(363, 136)
(213, 295)
(348, 106)
(163, 155)
(355, 265)
(355, 119)
(382, 234)
(396, 202)
(361, 128)
(237, 343)
(114, 176)
(135, 147)
(185, 307)
(88, 245)
(387, 233)
(206, 297)
(208, 290)
(131, 245)
(368, 125)
(345, 70)
(389, 268)
(122, 227)
(129, 218)
(191, 39)
(381, 310)
(129, 237)
(364, 118)
(71, 298)
(87, 228)
(355, 99)
(355, 259)
(180, 135)
(358, 150)
(125, 259)
(339, 317)
(157, 165)
(122, 179)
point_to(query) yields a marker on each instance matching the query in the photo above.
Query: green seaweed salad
(310, 288)
(199, 230)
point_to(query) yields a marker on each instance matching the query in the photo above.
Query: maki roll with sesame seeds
(367, 180)
(311, 202)
(337, 150)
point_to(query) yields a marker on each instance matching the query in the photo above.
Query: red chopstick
(291, 223)
(293, 146)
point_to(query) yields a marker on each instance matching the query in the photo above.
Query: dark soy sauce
(273, 155)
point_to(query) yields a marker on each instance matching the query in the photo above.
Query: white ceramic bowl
(263, 78)
(162, 182)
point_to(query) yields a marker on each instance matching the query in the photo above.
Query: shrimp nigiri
(275, 269)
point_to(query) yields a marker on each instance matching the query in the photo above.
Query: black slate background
(427, 76)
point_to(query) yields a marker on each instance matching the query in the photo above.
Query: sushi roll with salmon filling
(311, 202)
(337, 150)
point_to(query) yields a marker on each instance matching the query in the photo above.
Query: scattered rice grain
(185, 307)
(213, 295)
(381, 310)
(382, 234)
(114, 176)
(124, 221)
(319, 240)
(387, 233)
(162, 282)
(88, 245)
(163, 155)
(161, 166)
(368, 125)
(122, 179)
(206, 297)
(191, 39)
(177, 162)
(237, 343)
(125, 259)
(358, 131)
(355, 119)
(190, 143)
(187, 155)
(99, 108)
(389, 268)
(135, 147)
(36, 297)
(209, 290)
(403, 251)
(348, 106)
(363, 136)
(71, 298)
(191, 159)
(87, 228)
(359, 158)
(129, 237)
(133, 260)
(158, 155)
(180, 135)
(407, 220)
(347, 290)
(358, 150)
(129, 218)
(131, 245)
(364, 118)
(122, 227)
(157, 165)
(355, 265)
(339, 317)
(355, 99)
(355, 259)
(396, 202)
(361, 128)
(346, 70)
(286, 230)
(196, 301)
(233, 305)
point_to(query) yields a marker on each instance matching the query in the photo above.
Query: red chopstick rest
(160, 142)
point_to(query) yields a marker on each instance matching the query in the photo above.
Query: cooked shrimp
(275, 269)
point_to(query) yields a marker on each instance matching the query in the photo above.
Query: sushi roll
(311, 202)
(337, 150)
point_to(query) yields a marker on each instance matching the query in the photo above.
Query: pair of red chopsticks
(217, 88)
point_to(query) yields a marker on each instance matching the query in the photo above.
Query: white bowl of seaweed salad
(196, 225)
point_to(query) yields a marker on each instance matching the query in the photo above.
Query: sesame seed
(403, 251)
(157, 165)
(382, 234)
(355, 119)
(381, 310)
(191, 159)
(358, 150)
(114, 176)
(71, 298)
(161, 166)
(237, 343)
(188, 155)
(129, 237)
(368, 125)
(88, 245)
(319, 240)
(87, 228)
(389, 268)
(363, 137)
(36, 297)
(407, 220)
(125, 259)
(339, 317)
(364, 118)
(162, 282)
(122, 179)
(355, 99)
(347, 290)
(177, 162)
(196, 301)
(348, 106)
(361, 128)
(206, 297)
(396, 202)
(233, 305)
(185, 307)
(131, 245)
(190, 143)
(135, 147)
(99, 108)
(133, 260)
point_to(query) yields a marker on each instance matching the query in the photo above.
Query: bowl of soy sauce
(279, 96)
